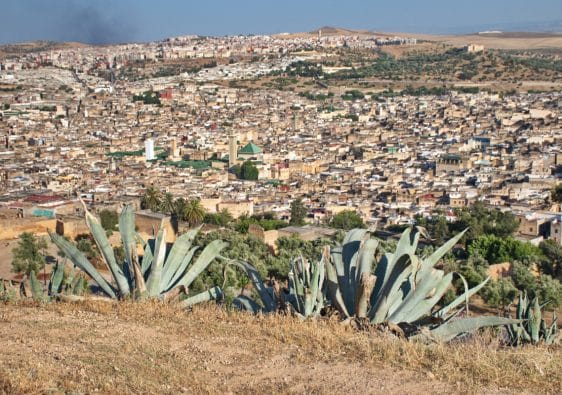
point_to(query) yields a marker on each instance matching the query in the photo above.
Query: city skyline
(102, 21)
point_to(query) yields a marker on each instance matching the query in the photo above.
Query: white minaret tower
(232, 148)
(149, 149)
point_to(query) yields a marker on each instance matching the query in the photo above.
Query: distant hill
(496, 40)
(339, 31)
(8, 50)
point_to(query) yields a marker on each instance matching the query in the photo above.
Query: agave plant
(60, 283)
(305, 296)
(532, 328)
(404, 289)
(8, 292)
(157, 274)
(306, 281)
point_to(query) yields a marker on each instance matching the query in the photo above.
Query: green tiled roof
(250, 148)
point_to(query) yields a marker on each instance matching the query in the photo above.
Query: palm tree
(225, 217)
(167, 205)
(193, 212)
(179, 208)
(151, 199)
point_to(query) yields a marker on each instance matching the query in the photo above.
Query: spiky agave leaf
(453, 328)
(270, 304)
(80, 260)
(128, 235)
(535, 318)
(306, 280)
(100, 237)
(214, 293)
(209, 254)
(443, 312)
(175, 259)
(36, 287)
(57, 276)
(153, 282)
(242, 302)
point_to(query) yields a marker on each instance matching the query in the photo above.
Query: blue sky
(101, 21)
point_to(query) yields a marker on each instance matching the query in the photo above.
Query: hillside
(153, 348)
(18, 49)
(510, 41)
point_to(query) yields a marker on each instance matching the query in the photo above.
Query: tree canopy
(248, 171)
(29, 255)
(298, 212)
(346, 220)
(109, 219)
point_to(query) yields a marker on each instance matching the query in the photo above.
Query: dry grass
(155, 348)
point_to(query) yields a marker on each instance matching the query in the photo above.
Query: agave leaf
(139, 280)
(181, 270)
(522, 305)
(334, 290)
(366, 257)
(153, 284)
(127, 231)
(147, 257)
(253, 274)
(354, 235)
(443, 311)
(313, 289)
(441, 251)
(391, 289)
(243, 302)
(449, 330)
(293, 296)
(429, 281)
(342, 282)
(78, 285)
(382, 270)
(179, 250)
(209, 253)
(108, 255)
(426, 305)
(36, 288)
(214, 293)
(535, 320)
(57, 276)
(387, 263)
(404, 243)
(79, 259)
(363, 295)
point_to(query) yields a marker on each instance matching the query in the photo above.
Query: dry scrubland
(154, 348)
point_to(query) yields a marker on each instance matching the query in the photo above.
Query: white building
(149, 149)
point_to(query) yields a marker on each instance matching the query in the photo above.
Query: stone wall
(12, 228)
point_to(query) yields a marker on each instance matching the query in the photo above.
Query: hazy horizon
(105, 21)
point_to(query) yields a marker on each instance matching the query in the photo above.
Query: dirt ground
(154, 348)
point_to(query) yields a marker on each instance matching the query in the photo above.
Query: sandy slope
(148, 348)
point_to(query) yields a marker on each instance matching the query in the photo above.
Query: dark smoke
(93, 23)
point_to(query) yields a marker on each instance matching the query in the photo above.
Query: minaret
(232, 148)
(173, 150)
